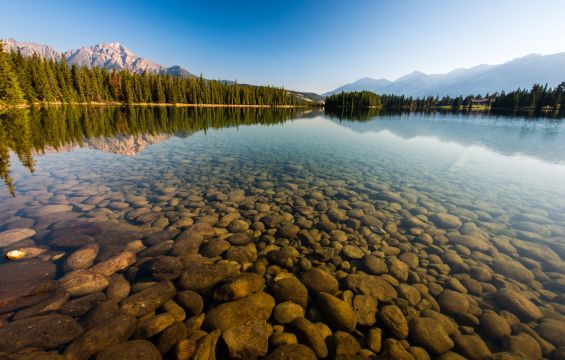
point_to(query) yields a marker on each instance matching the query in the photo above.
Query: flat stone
(473, 242)
(118, 289)
(290, 289)
(156, 324)
(162, 267)
(214, 247)
(552, 330)
(495, 326)
(536, 250)
(53, 303)
(114, 264)
(80, 306)
(23, 297)
(353, 252)
(453, 302)
(111, 332)
(374, 265)
(46, 210)
(41, 332)
(287, 311)
(20, 275)
(239, 239)
(148, 300)
(446, 221)
(518, 304)
(102, 312)
(288, 231)
(429, 334)
(249, 341)
(365, 308)
(342, 345)
(471, 346)
(398, 269)
(171, 336)
(191, 301)
(9, 237)
(130, 350)
(522, 346)
(239, 286)
(512, 269)
(256, 307)
(238, 226)
(83, 282)
(200, 276)
(371, 285)
(318, 280)
(82, 258)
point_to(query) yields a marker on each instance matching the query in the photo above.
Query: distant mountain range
(522, 72)
(109, 56)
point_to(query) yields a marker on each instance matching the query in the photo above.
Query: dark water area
(182, 232)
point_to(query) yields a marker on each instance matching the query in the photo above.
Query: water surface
(458, 193)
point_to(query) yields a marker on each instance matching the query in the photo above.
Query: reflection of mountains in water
(119, 130)
(539, 138)
(128, 145)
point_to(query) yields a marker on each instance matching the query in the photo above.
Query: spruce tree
(10, 92)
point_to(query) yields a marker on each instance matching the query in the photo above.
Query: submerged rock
(308, 334)
(318, 280)
(41, 332)
(240, 286)
(200, 275)
(338, 313)
(518, 304)
(101, 337)
(130, 350)
(371, 285)
(148, 299)
(292, 352)
(249, 341)
(256, 307)
(9, 237)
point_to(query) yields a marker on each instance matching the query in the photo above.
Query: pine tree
(10, 92)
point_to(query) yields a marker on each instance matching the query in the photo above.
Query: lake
(242, 231)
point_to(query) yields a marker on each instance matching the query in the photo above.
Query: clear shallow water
(392, 178)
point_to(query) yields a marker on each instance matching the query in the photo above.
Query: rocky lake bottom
(243, 234)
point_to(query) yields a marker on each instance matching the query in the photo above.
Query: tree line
(26, 80)
(537, 98)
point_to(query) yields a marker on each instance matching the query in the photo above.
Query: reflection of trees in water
(29, 131)
(15, 135)
(366, 113)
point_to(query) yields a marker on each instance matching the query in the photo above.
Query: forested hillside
(537, 98)
(26, 80)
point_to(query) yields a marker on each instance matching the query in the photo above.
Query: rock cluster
(276, 269)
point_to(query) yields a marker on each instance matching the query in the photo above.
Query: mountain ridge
(522, 72)
(111, 56)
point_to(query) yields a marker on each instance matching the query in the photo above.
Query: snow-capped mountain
(105, 55)
(522, 72)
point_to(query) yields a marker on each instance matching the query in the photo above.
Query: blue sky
(305, 45)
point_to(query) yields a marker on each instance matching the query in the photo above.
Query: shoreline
(117, 103)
